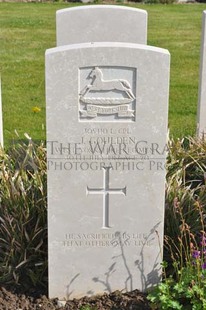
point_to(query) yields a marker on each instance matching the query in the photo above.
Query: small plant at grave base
(185, 290)
(184, 270)
(87, 308)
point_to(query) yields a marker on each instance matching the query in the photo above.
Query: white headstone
(201, 117)
(1, 119)
(101, 23)
(106, 133)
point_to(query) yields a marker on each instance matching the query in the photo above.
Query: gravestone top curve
(101, 23)
(107, 44)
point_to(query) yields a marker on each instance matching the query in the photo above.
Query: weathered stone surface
(107, 106)
(101, 23)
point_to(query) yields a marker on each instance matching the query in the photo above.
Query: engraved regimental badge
(107, 94)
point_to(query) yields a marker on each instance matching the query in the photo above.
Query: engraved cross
(106, 191)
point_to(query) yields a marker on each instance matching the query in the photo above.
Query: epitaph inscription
(106, 239)
(105, 96)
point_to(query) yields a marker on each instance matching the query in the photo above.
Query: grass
(28, 29)
(179, 31)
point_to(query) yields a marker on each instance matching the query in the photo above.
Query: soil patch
(135, 300)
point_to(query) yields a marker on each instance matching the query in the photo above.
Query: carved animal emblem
(99, 84)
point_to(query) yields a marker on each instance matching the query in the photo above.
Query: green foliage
(187, 293)
(151, 1)
(23, 216)
(88, 308)
(167, 1)
(186, 191)
(186, 163)
(184, 272)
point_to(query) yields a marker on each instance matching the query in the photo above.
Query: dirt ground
(9, 300)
